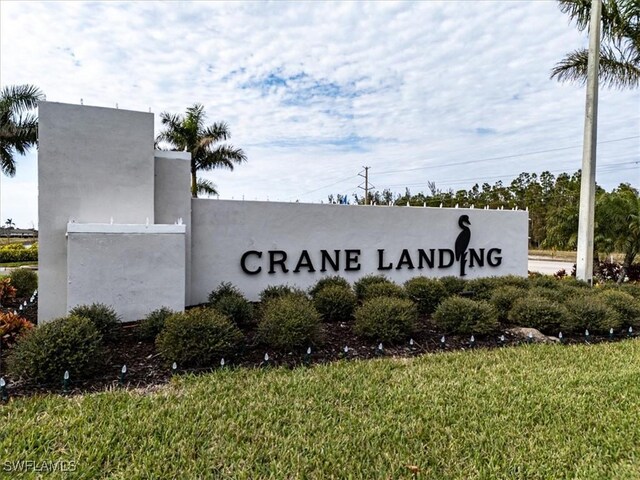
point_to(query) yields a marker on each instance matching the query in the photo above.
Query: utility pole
(584, 263)
(366, 187)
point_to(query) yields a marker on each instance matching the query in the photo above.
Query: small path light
(630, 332)
(222, 363)
(123, 375)
(307, 357)
(65, 382)
(472, 342)
(586, 336)
(443, 342)
(174, 368)
(412, 344)
(4, 396)
(345, 352)
(530, 337)
(611, 334)
(266, 361)
(502, 340)
(560, 337)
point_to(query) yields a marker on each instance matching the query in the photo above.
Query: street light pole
(584, 264)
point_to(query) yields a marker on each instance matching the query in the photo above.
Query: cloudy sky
(450, 92)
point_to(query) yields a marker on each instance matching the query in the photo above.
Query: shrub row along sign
(118, 226)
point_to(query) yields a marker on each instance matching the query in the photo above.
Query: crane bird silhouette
(462, 242)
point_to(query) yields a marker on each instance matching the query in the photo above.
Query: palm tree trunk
(194, 183)
(628, 258)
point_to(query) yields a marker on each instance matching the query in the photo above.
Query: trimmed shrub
(386, 319)
(153, 323)
(332, 281)
(12, 327)
(335, 302)
(289, 322)
(453, 285)
(538, 312)
(627, 306)
(427, 293)
(16, 252)
(384, 289)
(546, 281)
(102, 316)
(361, 285)
(556, 295)
(236, 307)
(483, 288)
(277, 291)
(69, 343)
(225, 288)
(513, 281)
(632, 289)
(24, 280)
(466, 316)
(503, 299)
(198, 338)
(592, 314)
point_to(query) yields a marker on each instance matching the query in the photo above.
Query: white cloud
(313, 91)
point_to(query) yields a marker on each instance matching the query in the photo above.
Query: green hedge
(16, 252)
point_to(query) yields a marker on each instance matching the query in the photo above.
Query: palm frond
(224, 156)
(614, 70)
(7, 163)
(206, 187)
(20, 98)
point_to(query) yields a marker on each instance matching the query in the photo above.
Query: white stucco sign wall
(118, 226)
(255, 244)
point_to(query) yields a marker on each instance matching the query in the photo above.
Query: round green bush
(538, 312)
(335, 302)
(332, 281)
(277, 291)
(65, 344)
(236, 307)
(545, 281)
(383, 289)
(626, 305)
(556, 295)
(483, 288)
(289, 322)
(632, 289)
(199, 337)
(590, 313)
(466, 316)
(361, 285)
(513, 281)
(102, 316)
(453, 285)
(386, 319)
(25, 281)
(225, 288)
(503, 299)
(152, 324)
(427, 293)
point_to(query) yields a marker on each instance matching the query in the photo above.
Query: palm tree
(188, 133)
(18, 127)
(620, 48)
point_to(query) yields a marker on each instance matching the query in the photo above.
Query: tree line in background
(552, 202)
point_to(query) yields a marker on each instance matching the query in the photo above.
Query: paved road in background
(536, 264)
(547, 266)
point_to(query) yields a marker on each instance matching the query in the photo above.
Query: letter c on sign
(244, 259)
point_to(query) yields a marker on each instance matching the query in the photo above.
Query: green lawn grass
(540, 411)
(18, 264)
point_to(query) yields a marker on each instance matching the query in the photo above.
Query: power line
(517, 155)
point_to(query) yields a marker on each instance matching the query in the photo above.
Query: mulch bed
(147, 370)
